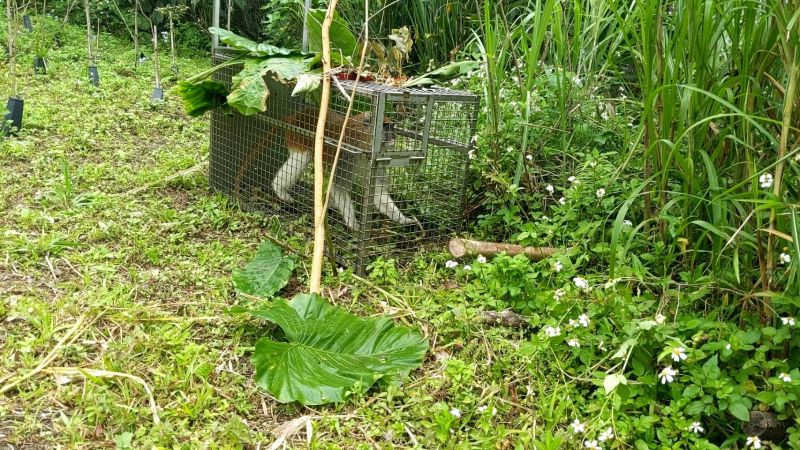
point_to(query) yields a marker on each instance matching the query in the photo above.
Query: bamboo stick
(465, 247)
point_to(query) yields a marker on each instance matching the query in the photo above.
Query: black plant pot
(158, 94)
(39, 65)
(94, 76)
(26, 22)
(12, 121)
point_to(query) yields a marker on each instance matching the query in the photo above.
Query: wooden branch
(315, 279)
(465, 247)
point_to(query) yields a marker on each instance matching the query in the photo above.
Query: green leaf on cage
(249, 91)
(266, 274)
(329, 352)
(444, 73)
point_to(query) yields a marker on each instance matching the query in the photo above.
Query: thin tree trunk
(315, 281)
(12, 72)
(88, 31)
(136, 33)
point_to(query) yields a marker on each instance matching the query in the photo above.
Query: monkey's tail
(252, 156)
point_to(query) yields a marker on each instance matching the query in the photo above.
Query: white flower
(572, 323)
(340, 269)
(455, 412)
(785, 258)
(481, 259)
(580, 283)
(467, 267)
(785, 377)
(509, 149)
(679, 354)
(765, 180)
(696, 428)
(573, 179)
(577, 426)
(753, 441)
(545, 218)
(558, 294)
(660, 318)
(573, 343)
(727, 346)
(552, 332)
(606, 435)
(562, 201)
(788, 320)
(592, 164)
(583, 319)
(451, 264)
(627, 223)
(600, 193)
(471, 154)
(557, 266)
(549, 188)
(529, 157)
(592, 445)
(482, 408)
(577, 80)
(667, 375)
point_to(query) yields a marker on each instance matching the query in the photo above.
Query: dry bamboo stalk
(465, 247)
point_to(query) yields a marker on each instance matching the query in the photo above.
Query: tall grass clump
(709, 93)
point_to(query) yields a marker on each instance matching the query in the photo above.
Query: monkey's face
(388, 133)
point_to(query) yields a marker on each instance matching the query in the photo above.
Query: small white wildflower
(549, 188)
(600, 193)
(529, 157)
(583, 319)
(558, 266)
(788, 320)
(592, 164)
(601, 346)
(679, 354)
(785, 377)
(573, 343)
(766, 180)
(471, 154)
(660, 318)
(573, 179)
(785, 258)
(753, 441)
(340, 269)
(481, 259)
(572, 323)
(727, 346)
(627, 223)
(592, 445)
(696, 428)
(451, 264)
(455, 412)
(577, 426)
(606, 435)
(558, 294)
(483, 408)
(562, 201)
(545, 218)
(667, 375)
(509, 149)
(467, 267)
(552, 332)
(577, 80)
(581, 283)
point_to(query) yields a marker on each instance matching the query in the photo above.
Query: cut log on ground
(505, 318)
(465, 247)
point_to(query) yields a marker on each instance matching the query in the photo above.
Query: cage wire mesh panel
(400, 179)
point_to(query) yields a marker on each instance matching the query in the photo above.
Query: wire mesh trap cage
(400, 180)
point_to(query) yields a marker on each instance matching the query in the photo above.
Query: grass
(115, 285)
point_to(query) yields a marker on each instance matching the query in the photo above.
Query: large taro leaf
(343, 41)
(249, 91)
(330, 352)
(261, 49)
(266, 274)
(444, 73)
(201, 96)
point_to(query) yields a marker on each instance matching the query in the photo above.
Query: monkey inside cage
(401, 175)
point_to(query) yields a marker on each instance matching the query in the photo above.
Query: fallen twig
(464, 247)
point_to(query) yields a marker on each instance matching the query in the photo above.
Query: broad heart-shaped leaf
(249, 91)
(265, 274)
(343, 41)
(330, 352)
(254, 48)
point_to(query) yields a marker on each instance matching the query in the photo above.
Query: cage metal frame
(411, 148)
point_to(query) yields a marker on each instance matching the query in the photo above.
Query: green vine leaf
(266, 274)
(329, 352)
